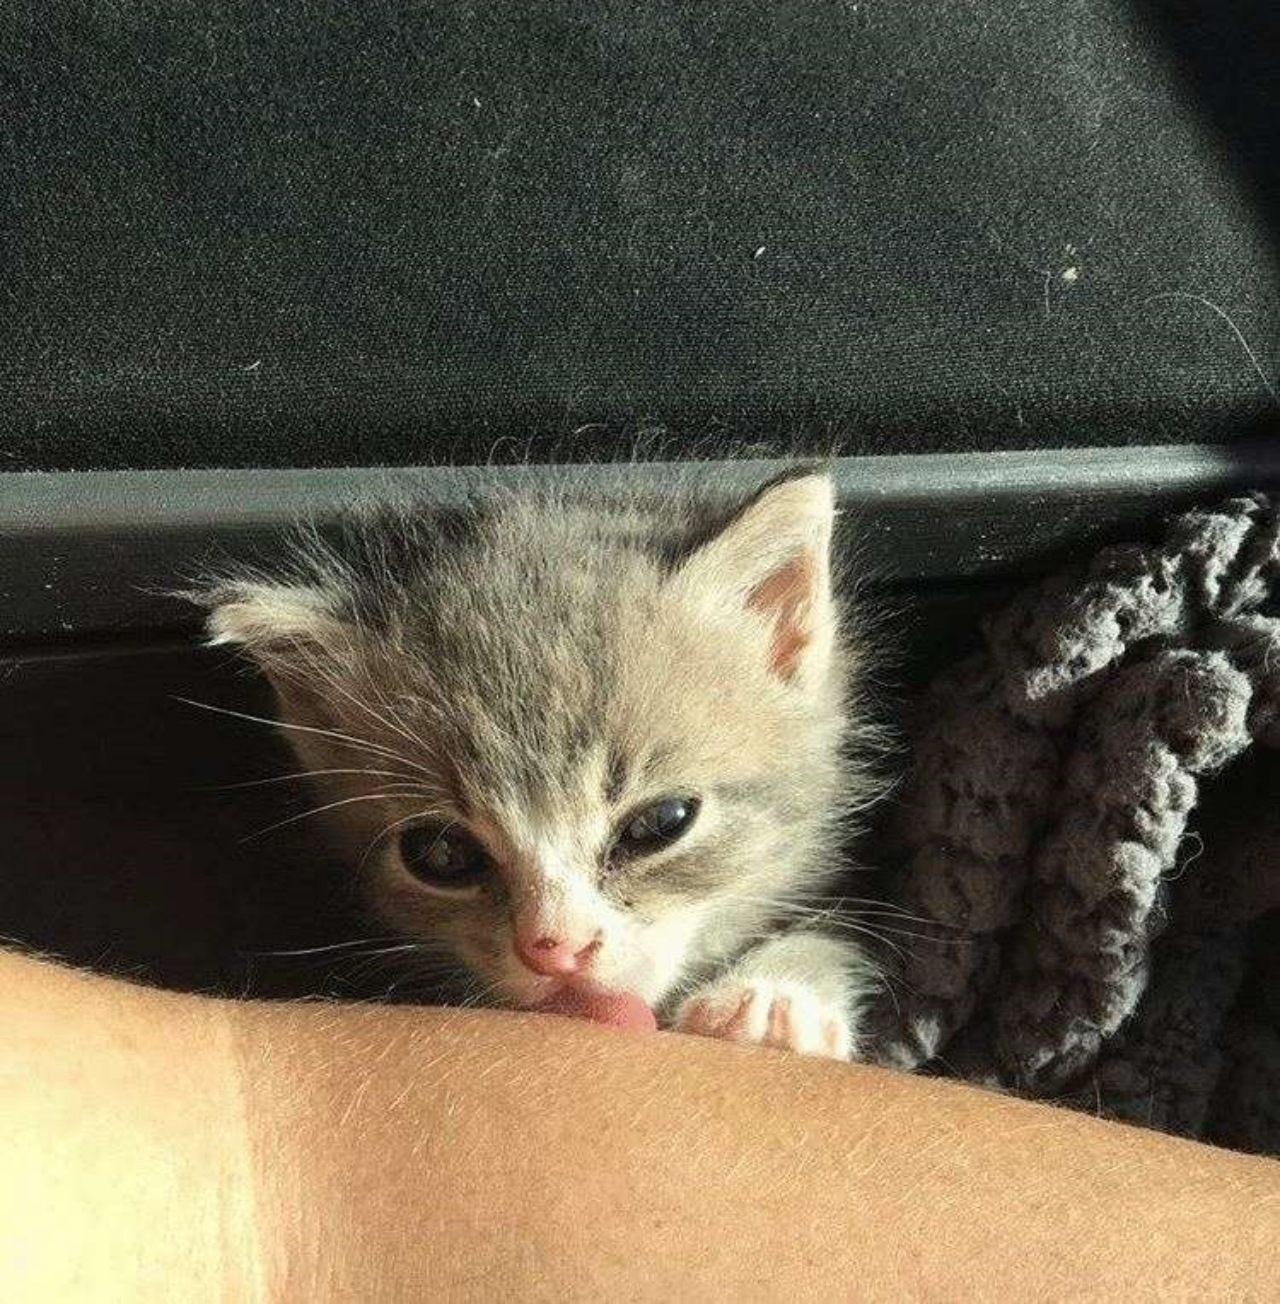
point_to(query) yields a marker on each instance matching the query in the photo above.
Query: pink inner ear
(786, 598)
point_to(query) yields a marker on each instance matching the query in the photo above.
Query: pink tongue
(615, 1009)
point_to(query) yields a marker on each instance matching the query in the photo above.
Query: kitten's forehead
(556, 667)
(523, 648)
(562, 818)
(532, 795)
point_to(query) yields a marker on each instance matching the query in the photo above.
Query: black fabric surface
(325, 232)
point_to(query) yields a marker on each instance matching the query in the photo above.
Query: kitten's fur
(535, 667)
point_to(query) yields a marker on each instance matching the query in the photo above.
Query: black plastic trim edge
(90, 553)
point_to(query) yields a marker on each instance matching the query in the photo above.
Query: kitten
(570, 740)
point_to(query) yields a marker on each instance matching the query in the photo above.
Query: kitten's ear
(283, 627)
(773, 559)
(269, 620)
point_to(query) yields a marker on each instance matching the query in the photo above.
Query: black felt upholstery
(325, 232)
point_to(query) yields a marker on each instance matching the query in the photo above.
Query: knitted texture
(1080, 937)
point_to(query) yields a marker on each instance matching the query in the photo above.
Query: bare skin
(155, 1146)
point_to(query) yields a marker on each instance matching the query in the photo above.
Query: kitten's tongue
(615, 1009)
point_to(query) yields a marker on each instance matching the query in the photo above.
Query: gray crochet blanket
(1089, 837)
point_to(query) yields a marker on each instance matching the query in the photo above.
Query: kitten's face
(594, 765)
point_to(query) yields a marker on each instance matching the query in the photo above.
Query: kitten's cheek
(662, 951)
(644, 965)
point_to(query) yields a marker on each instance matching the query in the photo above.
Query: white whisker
(308, 774)
(363, 744)
(332, 946)
(833, 918)
(334, 682)
(402, 791)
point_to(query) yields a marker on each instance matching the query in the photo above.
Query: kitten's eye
(657, 825)
(442, 856)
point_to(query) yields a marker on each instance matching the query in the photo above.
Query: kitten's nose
(554, 956)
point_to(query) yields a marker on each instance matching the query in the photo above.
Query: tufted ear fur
(773, 560)
(289, 630)
(267, 619)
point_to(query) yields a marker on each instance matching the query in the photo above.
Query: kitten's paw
(785, 1015)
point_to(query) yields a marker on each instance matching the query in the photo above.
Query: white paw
(785, 1015)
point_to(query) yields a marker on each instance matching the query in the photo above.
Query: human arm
(151, 1142)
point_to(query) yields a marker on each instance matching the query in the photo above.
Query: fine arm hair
(155, 1145)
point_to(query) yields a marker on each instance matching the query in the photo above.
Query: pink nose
(553, 956)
